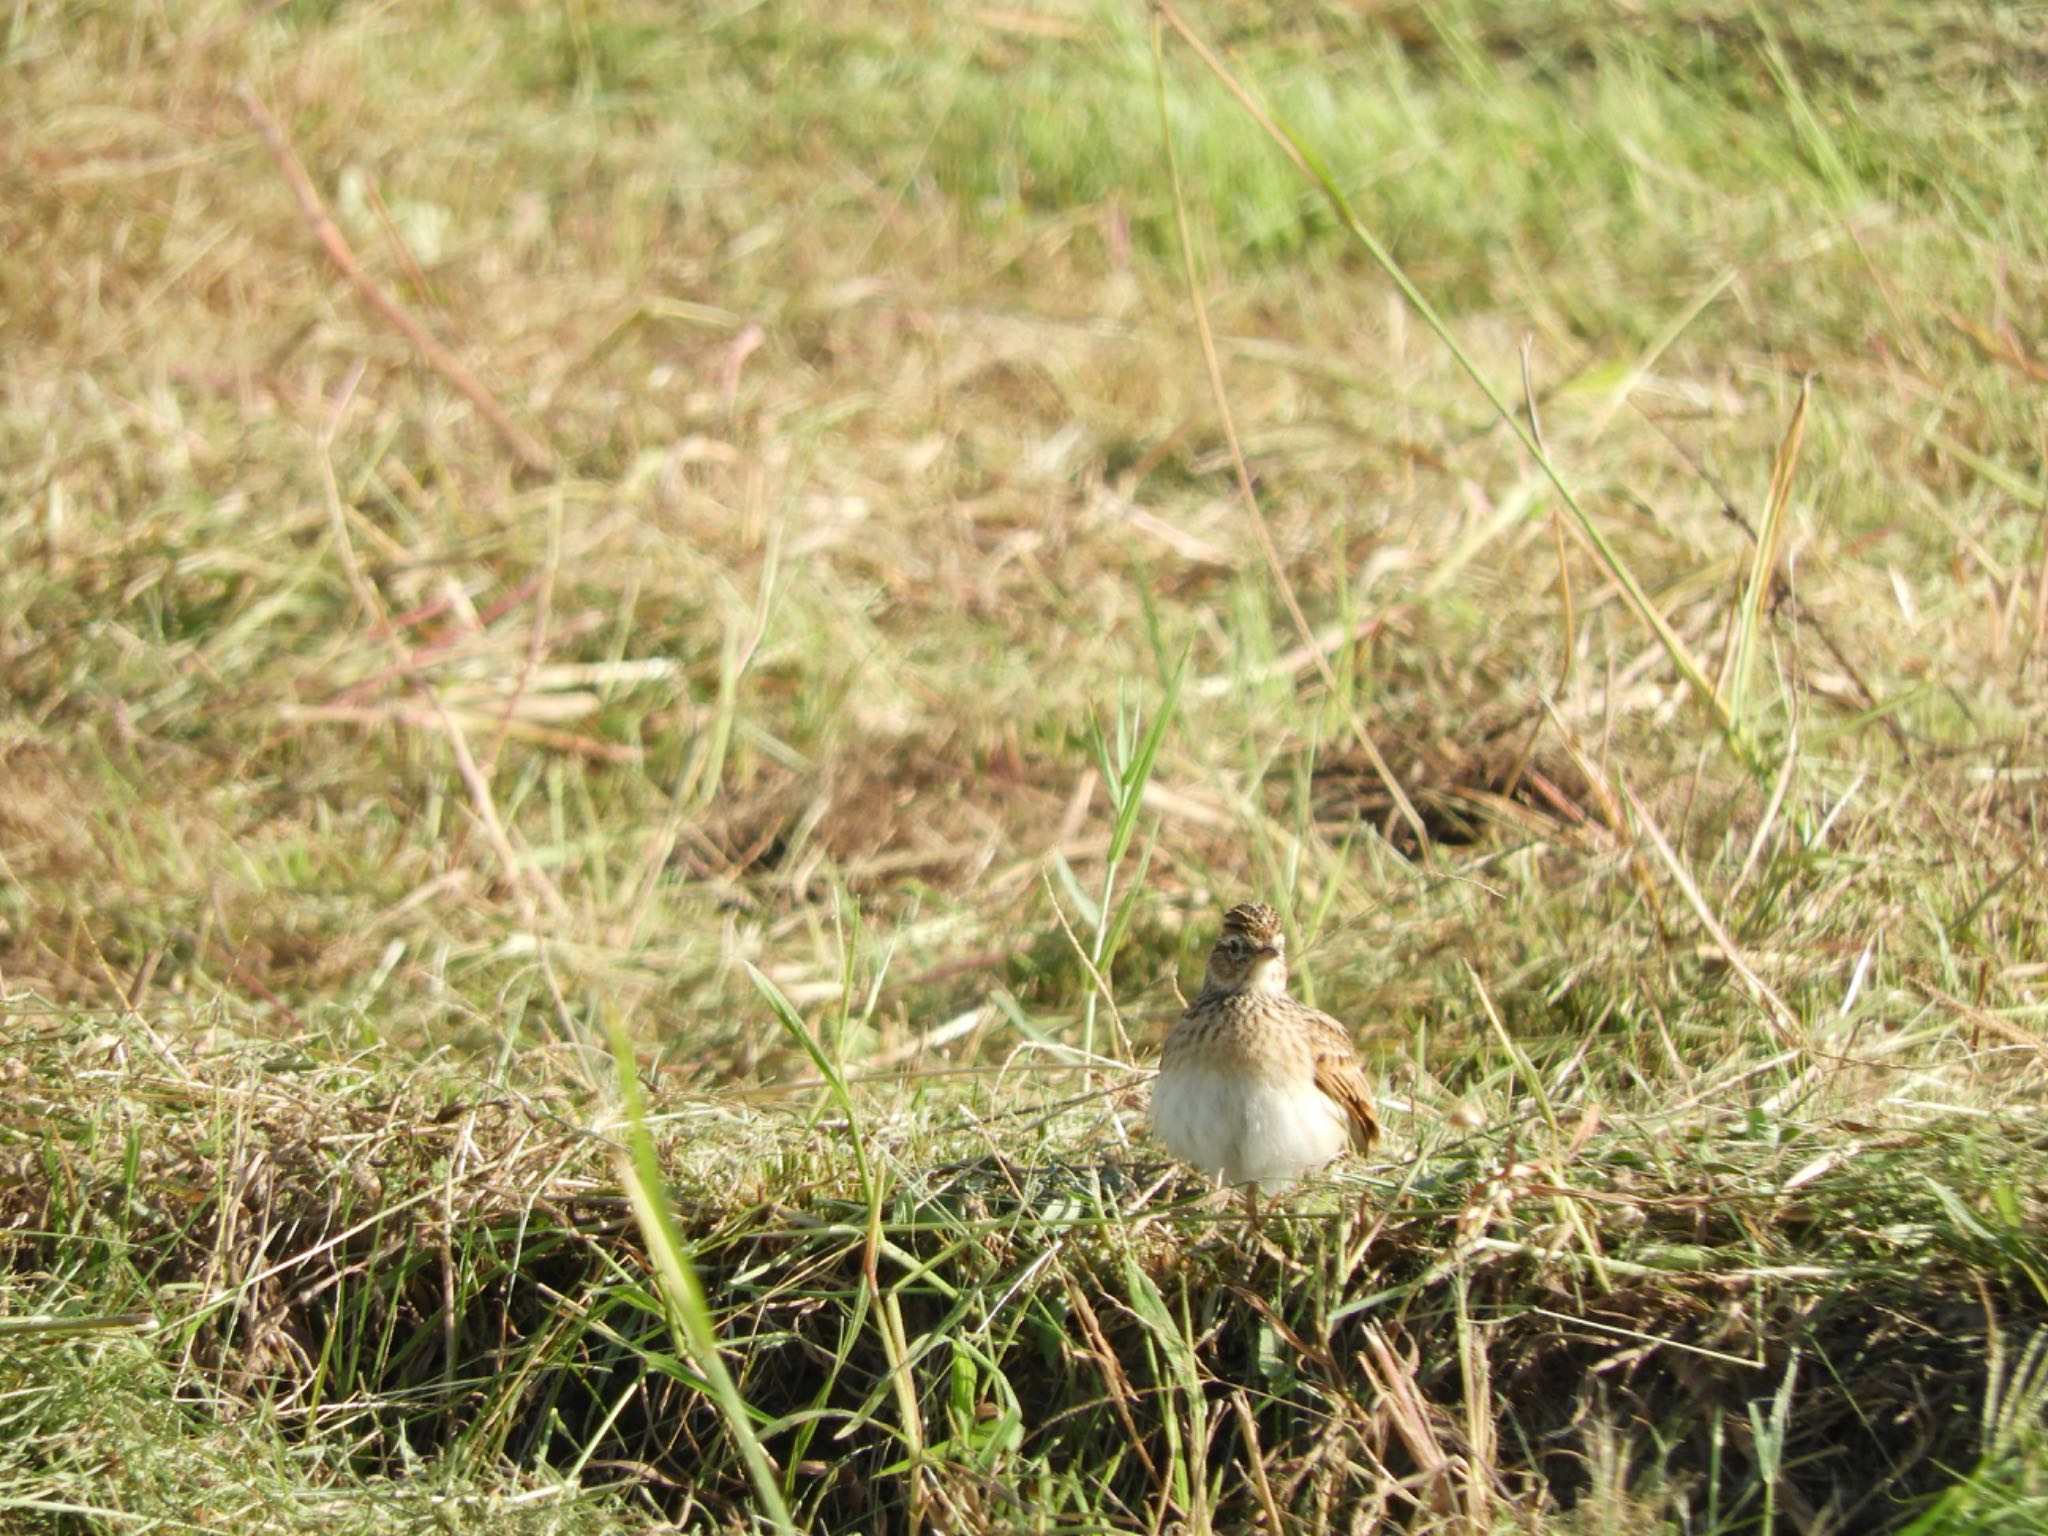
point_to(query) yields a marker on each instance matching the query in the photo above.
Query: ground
(599, 821)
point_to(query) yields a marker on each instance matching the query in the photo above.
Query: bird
(1254, 1087)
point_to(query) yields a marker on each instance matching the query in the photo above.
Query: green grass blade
(689, 1312)
(1138, 771)
(1763, 565)
(793, 1025)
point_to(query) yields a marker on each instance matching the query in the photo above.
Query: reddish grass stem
(535, 455)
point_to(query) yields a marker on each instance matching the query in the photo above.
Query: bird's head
(1251, 954)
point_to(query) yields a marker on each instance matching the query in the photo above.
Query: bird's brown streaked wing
(1344, 1083)
(1341, 1079)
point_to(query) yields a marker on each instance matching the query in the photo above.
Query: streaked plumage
(1255, 1087)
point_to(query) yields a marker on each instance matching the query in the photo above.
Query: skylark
(1254, 1087)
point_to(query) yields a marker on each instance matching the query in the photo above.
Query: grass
(864, 723)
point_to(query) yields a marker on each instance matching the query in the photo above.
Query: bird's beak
(1266, 952)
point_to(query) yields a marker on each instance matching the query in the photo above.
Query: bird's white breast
(1243, 1128)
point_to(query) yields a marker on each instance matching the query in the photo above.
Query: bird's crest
(1253, 919)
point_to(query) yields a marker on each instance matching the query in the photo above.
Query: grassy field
(653, 770)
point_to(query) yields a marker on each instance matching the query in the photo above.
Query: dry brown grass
(888, 471)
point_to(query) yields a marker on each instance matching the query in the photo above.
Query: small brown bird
(1254, 1087)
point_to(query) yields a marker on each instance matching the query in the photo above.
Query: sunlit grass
(859, 737)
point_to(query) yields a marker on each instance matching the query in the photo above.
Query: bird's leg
(1256, 1227)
